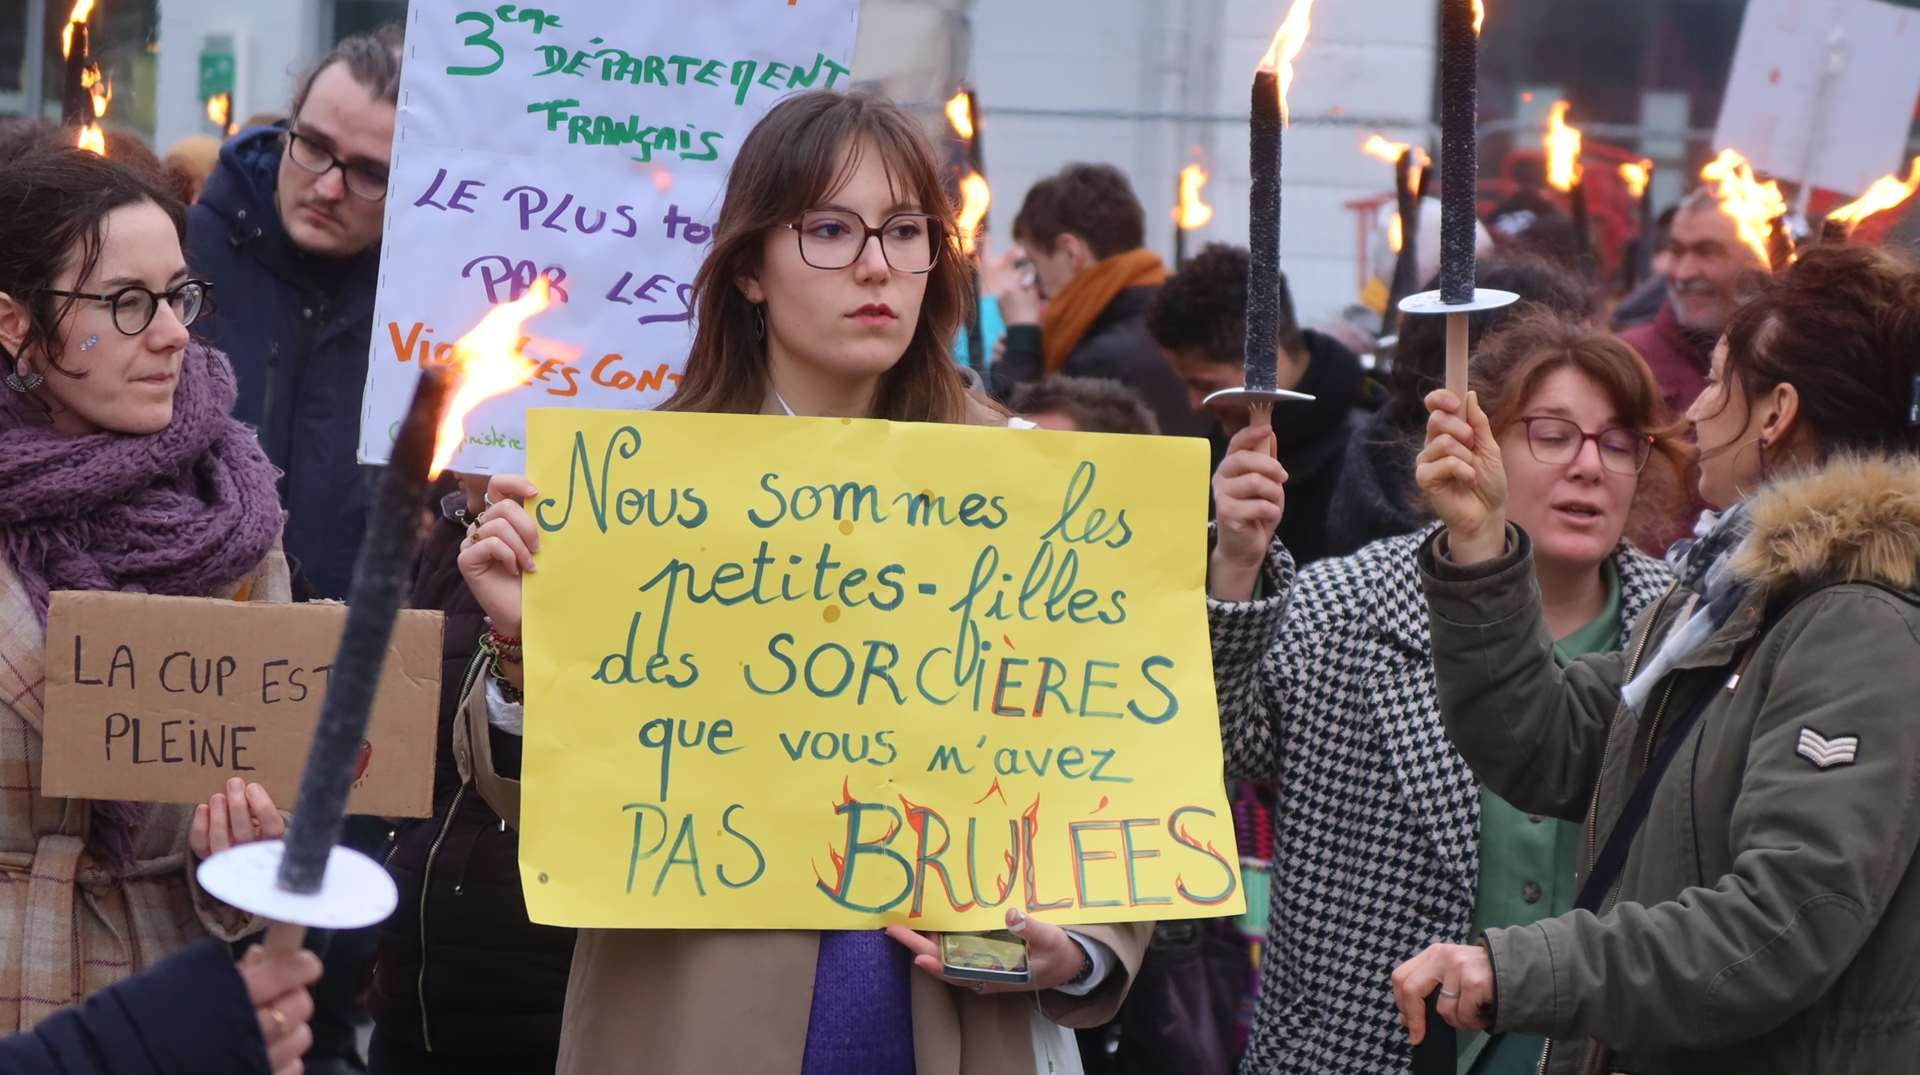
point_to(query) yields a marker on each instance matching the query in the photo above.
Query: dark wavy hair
(1093, 201)
(53, 209)
(1096, 404)
(373, 59)
(793, 159)
(1202, 309)
(21, 135)
(1842, 326)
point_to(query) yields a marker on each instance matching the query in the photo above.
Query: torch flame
(220, 111)
(489, 362)
(1637, 175)
(99, 87)
(1753, 205)
(959, 115)
(1287, 43)
(82, 11)
(1192, 212)
(975, 196)
(1479, 16)
(1885, 193)
(91, 138)
(1380, 148)
(1396, 234)
(1563, 150)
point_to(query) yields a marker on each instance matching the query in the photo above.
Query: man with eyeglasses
(288, 229)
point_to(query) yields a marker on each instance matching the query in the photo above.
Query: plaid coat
(69, 927)
(1326, 690)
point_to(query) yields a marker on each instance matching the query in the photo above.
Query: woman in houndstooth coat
(1383, 841)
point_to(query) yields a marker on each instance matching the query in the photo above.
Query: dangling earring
(759, 323)
(24, 383)
(1740, 491)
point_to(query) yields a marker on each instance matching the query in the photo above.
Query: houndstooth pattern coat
(1326, 692)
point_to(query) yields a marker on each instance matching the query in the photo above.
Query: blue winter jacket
(186, 1015)
(297, 329)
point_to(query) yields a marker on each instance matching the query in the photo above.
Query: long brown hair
(1518, 357)
(792, 160)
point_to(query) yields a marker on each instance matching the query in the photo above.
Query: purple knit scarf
(187, 511)
(862, 1017)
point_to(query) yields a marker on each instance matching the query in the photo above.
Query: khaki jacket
(1767, 919)
(701, 1002)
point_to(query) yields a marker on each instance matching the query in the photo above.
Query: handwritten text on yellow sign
(814, 673)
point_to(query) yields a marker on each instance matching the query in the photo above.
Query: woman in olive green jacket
(1765, 915)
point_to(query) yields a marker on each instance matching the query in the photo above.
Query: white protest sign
(1823, 89)
(587, 142)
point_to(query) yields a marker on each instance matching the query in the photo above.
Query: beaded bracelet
(504, 647)
(500, 649)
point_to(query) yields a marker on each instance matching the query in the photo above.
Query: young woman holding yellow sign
(832, 289)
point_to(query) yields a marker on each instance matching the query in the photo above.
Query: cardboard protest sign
(161, 699)
(863, 672)
(581, 140)
(1823, 90)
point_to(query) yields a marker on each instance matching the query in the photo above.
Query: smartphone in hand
(997, 956)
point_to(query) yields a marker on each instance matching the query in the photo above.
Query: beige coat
(696, 1002)
(70, 927)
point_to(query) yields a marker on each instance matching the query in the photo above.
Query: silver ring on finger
(486, 498)
(281, 1028)
(1450, 994)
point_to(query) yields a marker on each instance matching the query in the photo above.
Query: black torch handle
(1582, 222)
(380, 580)
(1406, 262)
(76, 102)
(1263, 235)
(1643, 262)
(976, 335)
(1435, 1055)
(1459, 149)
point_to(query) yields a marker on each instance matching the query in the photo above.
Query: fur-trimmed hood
(1856, 519)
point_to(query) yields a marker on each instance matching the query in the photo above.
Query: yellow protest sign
(819, 673)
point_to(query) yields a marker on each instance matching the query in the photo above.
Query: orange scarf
(1080, 303)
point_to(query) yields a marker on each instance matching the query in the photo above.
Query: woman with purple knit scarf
(119, 470)
(831, 290)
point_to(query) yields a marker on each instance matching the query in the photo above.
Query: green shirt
(1528, 862)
